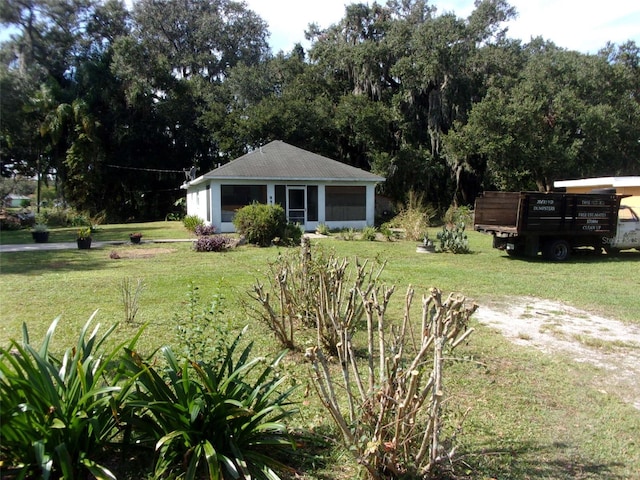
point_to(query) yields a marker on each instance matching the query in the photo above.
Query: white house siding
(200, 199)
(197, 201)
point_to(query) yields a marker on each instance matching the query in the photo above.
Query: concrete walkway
(35, 247)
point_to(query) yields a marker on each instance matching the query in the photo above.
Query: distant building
(311, 188)
(15, 201)
(623, 185)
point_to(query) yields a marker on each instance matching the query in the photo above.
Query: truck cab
(628, 231)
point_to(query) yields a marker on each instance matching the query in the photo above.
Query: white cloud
(585, 26)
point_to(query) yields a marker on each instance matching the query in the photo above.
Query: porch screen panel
(312, 203)
(281, 195)
(345, 203)
(234, 197)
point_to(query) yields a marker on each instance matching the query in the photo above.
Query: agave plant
(58, 413)
(221, 420)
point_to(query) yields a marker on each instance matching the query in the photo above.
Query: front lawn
(530, 415)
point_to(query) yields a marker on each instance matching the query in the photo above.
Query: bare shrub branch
(388, 406)
(393, 426)
(130, 292)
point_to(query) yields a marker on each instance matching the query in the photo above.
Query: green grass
(532, 415)
(538, 416)
(606, 345)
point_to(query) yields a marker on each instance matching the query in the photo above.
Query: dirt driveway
(553, 327)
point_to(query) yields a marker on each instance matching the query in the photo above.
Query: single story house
(13, 200)
(311, 188)
(623, 185)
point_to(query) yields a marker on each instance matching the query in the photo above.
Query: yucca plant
(58, 414)
(221, 420)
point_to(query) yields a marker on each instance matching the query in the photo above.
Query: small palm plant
(220, 419)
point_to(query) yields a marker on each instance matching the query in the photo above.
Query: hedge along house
(311, 188)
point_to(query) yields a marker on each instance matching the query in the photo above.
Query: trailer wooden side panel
(497, 209)
(533, 213)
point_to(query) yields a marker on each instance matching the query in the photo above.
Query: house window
(625, 214)
(234, 197)
(345, 203)
(208, 201)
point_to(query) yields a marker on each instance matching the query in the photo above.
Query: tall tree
(48, 34)
(172, 65)
(284, 98)
(19, 140)
(423, 68)
(200, 37)
(555, 121)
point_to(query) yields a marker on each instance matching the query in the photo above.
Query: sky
(582, 25)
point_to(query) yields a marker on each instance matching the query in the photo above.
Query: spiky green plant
(220, 420)
(369, 233)
(58, 414)
(453, 239)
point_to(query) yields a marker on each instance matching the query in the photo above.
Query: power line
(146, 169)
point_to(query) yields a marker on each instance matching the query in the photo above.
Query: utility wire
(146, 169)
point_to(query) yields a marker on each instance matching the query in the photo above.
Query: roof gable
(280, 161)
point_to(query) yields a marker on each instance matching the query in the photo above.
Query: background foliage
(112, 105)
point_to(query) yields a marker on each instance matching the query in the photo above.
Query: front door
(296, 202)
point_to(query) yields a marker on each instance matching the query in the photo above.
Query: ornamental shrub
(292, 234)
(369, 233)
(213, 420)
(203, 229)
(386, 232)
(323, 229)
(10, 223)
(414, 217)
(211, 243)
(458, 215)
(347, 234)
(260, 223)
(202, 333)
(67, 217)
(60, 412)
(190, 222)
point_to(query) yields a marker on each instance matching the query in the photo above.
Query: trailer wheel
(557, 250)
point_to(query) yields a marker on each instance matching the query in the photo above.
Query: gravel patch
(554, 327)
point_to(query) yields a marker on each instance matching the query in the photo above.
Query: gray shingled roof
(280, 161)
